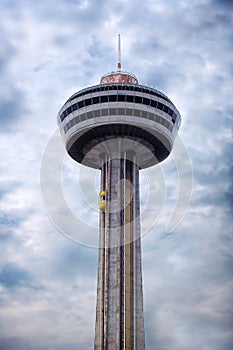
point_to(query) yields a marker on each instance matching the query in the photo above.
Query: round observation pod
(144, 119)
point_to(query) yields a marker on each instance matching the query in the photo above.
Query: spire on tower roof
(118, 77)
(119, 53)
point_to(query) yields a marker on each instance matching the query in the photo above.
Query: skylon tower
(119, 127)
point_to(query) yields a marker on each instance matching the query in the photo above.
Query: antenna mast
(119, 53)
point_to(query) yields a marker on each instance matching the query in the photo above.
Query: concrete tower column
(119, 313)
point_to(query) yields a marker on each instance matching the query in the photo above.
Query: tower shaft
(119, 313)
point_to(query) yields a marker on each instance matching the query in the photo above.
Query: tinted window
(112, 111)
(153, 103)
(96, 113)
(129, 111)
(112, 98)
(96, 99)
(62, 117)
(130, 98)
(88, 102)
(160, 106)
(103, 99)
(170, 111)
(138, 99)
(68, 110)
(146, 101)
(104, 111)
(121, 111)
(121, 98)
(137, 113)
(80, 104)
(89, 115)
(74, 107)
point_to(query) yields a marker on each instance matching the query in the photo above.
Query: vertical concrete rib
(113, 230)
(100, 306)
(106, 255)
(129, 256)
(139, 335)
(122, 249)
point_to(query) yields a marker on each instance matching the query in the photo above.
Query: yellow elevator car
(102, 200)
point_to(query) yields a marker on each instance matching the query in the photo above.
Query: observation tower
(119, 127)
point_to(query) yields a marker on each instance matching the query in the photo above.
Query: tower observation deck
(119, 127)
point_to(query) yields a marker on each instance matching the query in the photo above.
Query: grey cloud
(7, 225)
(72, 261)
(12, 276)
(11, 102)
(94, 48)
(18, 343)
(12, 343)
(214, 177)
(66, 12)
(223, 4)
(11, 111)
(195, 313)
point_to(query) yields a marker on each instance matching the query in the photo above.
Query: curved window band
(117, 87)
(119, 98)
(118, 111)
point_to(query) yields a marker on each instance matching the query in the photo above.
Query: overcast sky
(49, 50)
